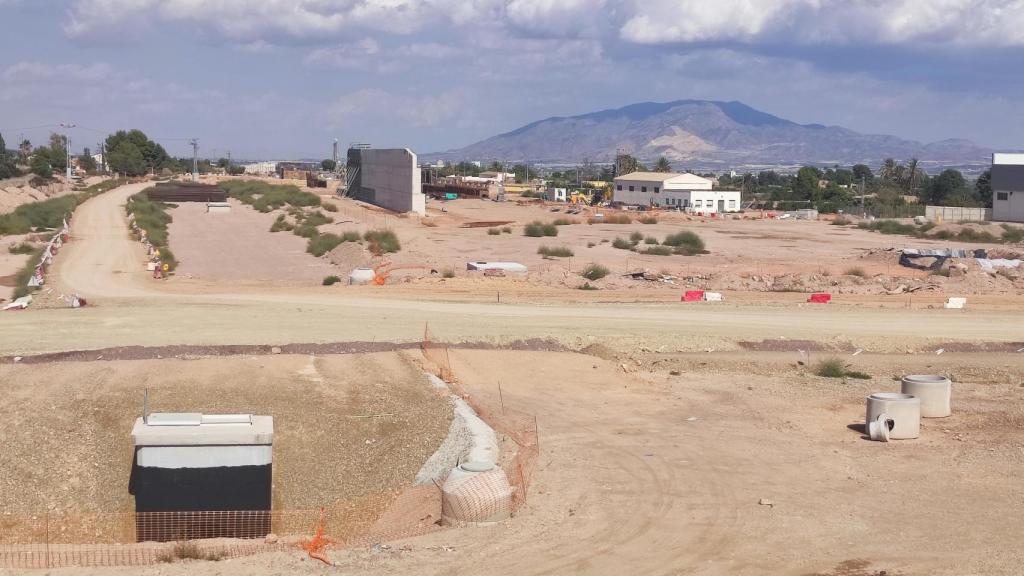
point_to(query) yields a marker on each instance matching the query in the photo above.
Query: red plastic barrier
(693, 296)
(820, 298)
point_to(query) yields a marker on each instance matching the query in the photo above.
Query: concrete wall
(956, 213)
(389, 178)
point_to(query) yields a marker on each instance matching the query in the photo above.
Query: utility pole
(229, 163)
(863, 210)
(195, 159)
(67, 148)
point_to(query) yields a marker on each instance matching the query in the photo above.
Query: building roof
(663, 177)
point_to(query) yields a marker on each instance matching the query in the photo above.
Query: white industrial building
(1008, 187)
(687, 192)
(260, 168)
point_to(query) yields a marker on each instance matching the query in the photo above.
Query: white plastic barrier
(956, 303)
(712, 296)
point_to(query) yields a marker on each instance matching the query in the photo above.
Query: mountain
(706, 134)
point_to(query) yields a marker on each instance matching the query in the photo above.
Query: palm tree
(663, 165)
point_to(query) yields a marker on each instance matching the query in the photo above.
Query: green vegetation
(188, 551)
(686, 243)
(329, 207)
(267, 197)
(648, 219)
(555, 252)
(1012, 234)
(331, 280)
(889, 227)
(659, 251)
(381, 241)
(855, 271)
(650, 240)
(317, 218)
(564, 221)
(594, 271)
(506, 230)
(588, 286)
(840, 221)
(972, 235)
(152, 217)
(636, 237)
(448, 273)
(622, 244)
(48, 214)
(836, 368)
(21, 248)
(281, 224)
(21, 279)
(537, 229)
(493, 232)
(320, 244)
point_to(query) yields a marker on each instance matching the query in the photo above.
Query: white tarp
(514, 267)
(956, 303)
(19, 304)
(990, 264)
(712, 296)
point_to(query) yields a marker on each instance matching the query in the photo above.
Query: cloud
(29, 71)
(882, 22)
(359, 54)
(364, 107)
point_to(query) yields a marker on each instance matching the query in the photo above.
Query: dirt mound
(599, 350)
(349, 255)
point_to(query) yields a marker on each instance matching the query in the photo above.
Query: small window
(697, 203)
(657, 189)
(732, 203)
(1002, 196)
(619, 187)
(630, 188)
(643, 188)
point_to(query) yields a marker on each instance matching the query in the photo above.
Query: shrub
(648, 219)
(591, 244)
(265, 197)
(317, 218)
(636, 237)
(382, 241)
(329, 207)
(21, 248)
(659, 251)
(350, 236)
(153, 218)
(281, 224)
(588, 286)
(1012, 234)
(506, 230)
(622, 244)
(188, 551)
(619, 219)
(306, 231)
(537, 229)
(329, 280)
(23, 275)
(594, 271)
(972, 235)
(943, 235)
(840, 221)
(448, 273)
(889, 227)
(493, 232)
(836, 368)
(321, 244)
(650, 240)
(855, 271)
(564, 221)
(686, 243)
(555, 252)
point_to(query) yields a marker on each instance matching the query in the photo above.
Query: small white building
(687, 192)
(260, 168)
(1008, 187)
(556, 195)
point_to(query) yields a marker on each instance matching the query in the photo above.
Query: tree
(126, 158)
(663, 165)
(842, 176)
(3, 147)
(40, 164)
(328, 165)
(87, 162)
(236, 170)
(769, 178)
(24, 151)
(983, 188)
(153, 155)
(862, 172)
(58, 152)
(222, 163)
(627, 164)
(949, 186)
(805, 186)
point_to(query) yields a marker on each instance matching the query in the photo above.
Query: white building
(1008, 187)
(261, 168)
(556, 195)
(687, 192)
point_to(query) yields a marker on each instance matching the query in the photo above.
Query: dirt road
(105, 265)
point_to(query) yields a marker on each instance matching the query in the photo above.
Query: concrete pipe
(879, 429)
(903, 409)
(475, 493)
(934, 392)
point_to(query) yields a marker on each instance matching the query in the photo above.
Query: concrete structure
(940, 214)
(687, 192)
(934, 391)
(389, 178)
(556, 195)
(197, 464)
(903, 409)
(1008, 187)
(260, 168)
(218, 207)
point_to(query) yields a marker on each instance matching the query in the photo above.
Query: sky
(281, 79)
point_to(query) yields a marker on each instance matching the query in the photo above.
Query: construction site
(243, 376)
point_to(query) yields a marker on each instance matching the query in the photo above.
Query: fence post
(46, 520)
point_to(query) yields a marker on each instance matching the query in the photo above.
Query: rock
(271, 538)
(674, 372)
(766, 502)
(275, 350)
(17, 358)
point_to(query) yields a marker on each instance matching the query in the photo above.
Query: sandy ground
(640, 472)
(648, 473)
(345, 426)
(238, 247)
